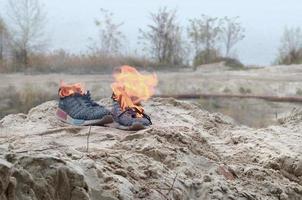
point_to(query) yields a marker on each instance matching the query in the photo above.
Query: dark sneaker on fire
(129, 119)
(79, 109)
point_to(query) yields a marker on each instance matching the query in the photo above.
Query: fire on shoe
(129, 89)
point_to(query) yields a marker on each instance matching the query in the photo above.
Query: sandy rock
(187, 154)
(6, 183)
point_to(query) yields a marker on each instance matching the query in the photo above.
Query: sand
(188, 153)
(212, 78)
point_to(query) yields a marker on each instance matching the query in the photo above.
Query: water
(250, 112)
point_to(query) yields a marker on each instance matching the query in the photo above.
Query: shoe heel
(61, 115)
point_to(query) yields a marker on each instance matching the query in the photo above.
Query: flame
(67, 90)
(131, 87)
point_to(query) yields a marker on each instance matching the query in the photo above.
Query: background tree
(290, 51)
(111, 39)
(162, 39)
(27, 22)
(3, 39)
(231, 33)
(204, 35)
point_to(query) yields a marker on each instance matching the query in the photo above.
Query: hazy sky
(71, 22)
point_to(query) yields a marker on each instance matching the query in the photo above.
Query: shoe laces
(87, 100)
(133, 112)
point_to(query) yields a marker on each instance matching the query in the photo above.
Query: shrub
(293, 57)
(206, 57)
(290, 50)
(231, 62)
(227, 90)
(214, 57)
(245, 91)
(299, 92)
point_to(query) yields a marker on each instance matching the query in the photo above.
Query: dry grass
(15, 101)
(64, 62)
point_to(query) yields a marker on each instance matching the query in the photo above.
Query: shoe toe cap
(101, 112)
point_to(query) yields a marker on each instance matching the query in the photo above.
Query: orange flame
(131, 87)
(67, 90)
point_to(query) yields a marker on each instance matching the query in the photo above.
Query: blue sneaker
(79, 109)
(128, 119)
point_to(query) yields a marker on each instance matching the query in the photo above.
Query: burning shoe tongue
(68, 90)
(131, 87)
(126, 103)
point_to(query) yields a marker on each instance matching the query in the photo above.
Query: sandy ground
(274, 80)
(188, 153)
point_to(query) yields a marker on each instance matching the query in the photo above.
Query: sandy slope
(187, 154)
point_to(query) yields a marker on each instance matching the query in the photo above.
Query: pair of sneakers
(79, 109)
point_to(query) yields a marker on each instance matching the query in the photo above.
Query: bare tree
(290, 50)
(27, 23)
(204, 34)
(3, 39)
(231, 33)
(163, 38)
(111, 37)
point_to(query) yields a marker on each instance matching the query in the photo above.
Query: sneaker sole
(134, 127)
(63, 116)
(137, 127)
